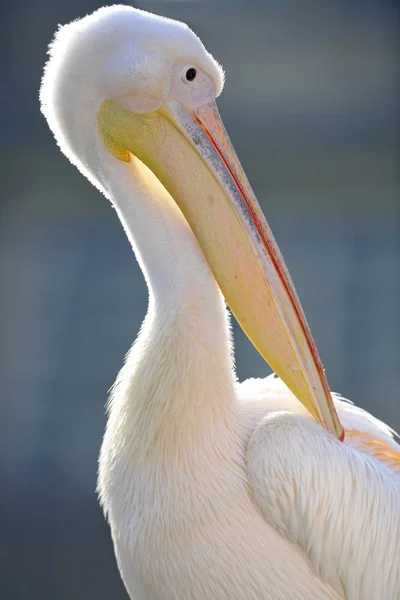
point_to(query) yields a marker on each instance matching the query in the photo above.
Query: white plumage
(341, 506)
(213, 489)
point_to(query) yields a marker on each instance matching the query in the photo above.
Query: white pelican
(213, 489)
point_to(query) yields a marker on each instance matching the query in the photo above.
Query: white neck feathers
(177, 388)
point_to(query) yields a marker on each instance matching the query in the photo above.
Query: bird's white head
(131, 86)
(135, 58)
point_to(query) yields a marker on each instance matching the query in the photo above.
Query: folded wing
(339, 501)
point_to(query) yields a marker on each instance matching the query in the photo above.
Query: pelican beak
(191, 155)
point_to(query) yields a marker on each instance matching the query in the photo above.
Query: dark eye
(191, 74)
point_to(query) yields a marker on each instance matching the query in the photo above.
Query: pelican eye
(191, 74)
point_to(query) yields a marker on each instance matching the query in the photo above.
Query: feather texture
(339, 501)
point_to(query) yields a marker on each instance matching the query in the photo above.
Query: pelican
(213, 489)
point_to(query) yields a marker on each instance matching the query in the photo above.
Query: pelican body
(214, 490)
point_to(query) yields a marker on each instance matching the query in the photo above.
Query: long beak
(192, 156)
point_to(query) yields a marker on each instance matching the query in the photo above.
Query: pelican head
(123, 85)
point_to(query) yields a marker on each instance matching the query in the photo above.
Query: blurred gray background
(311, 103)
